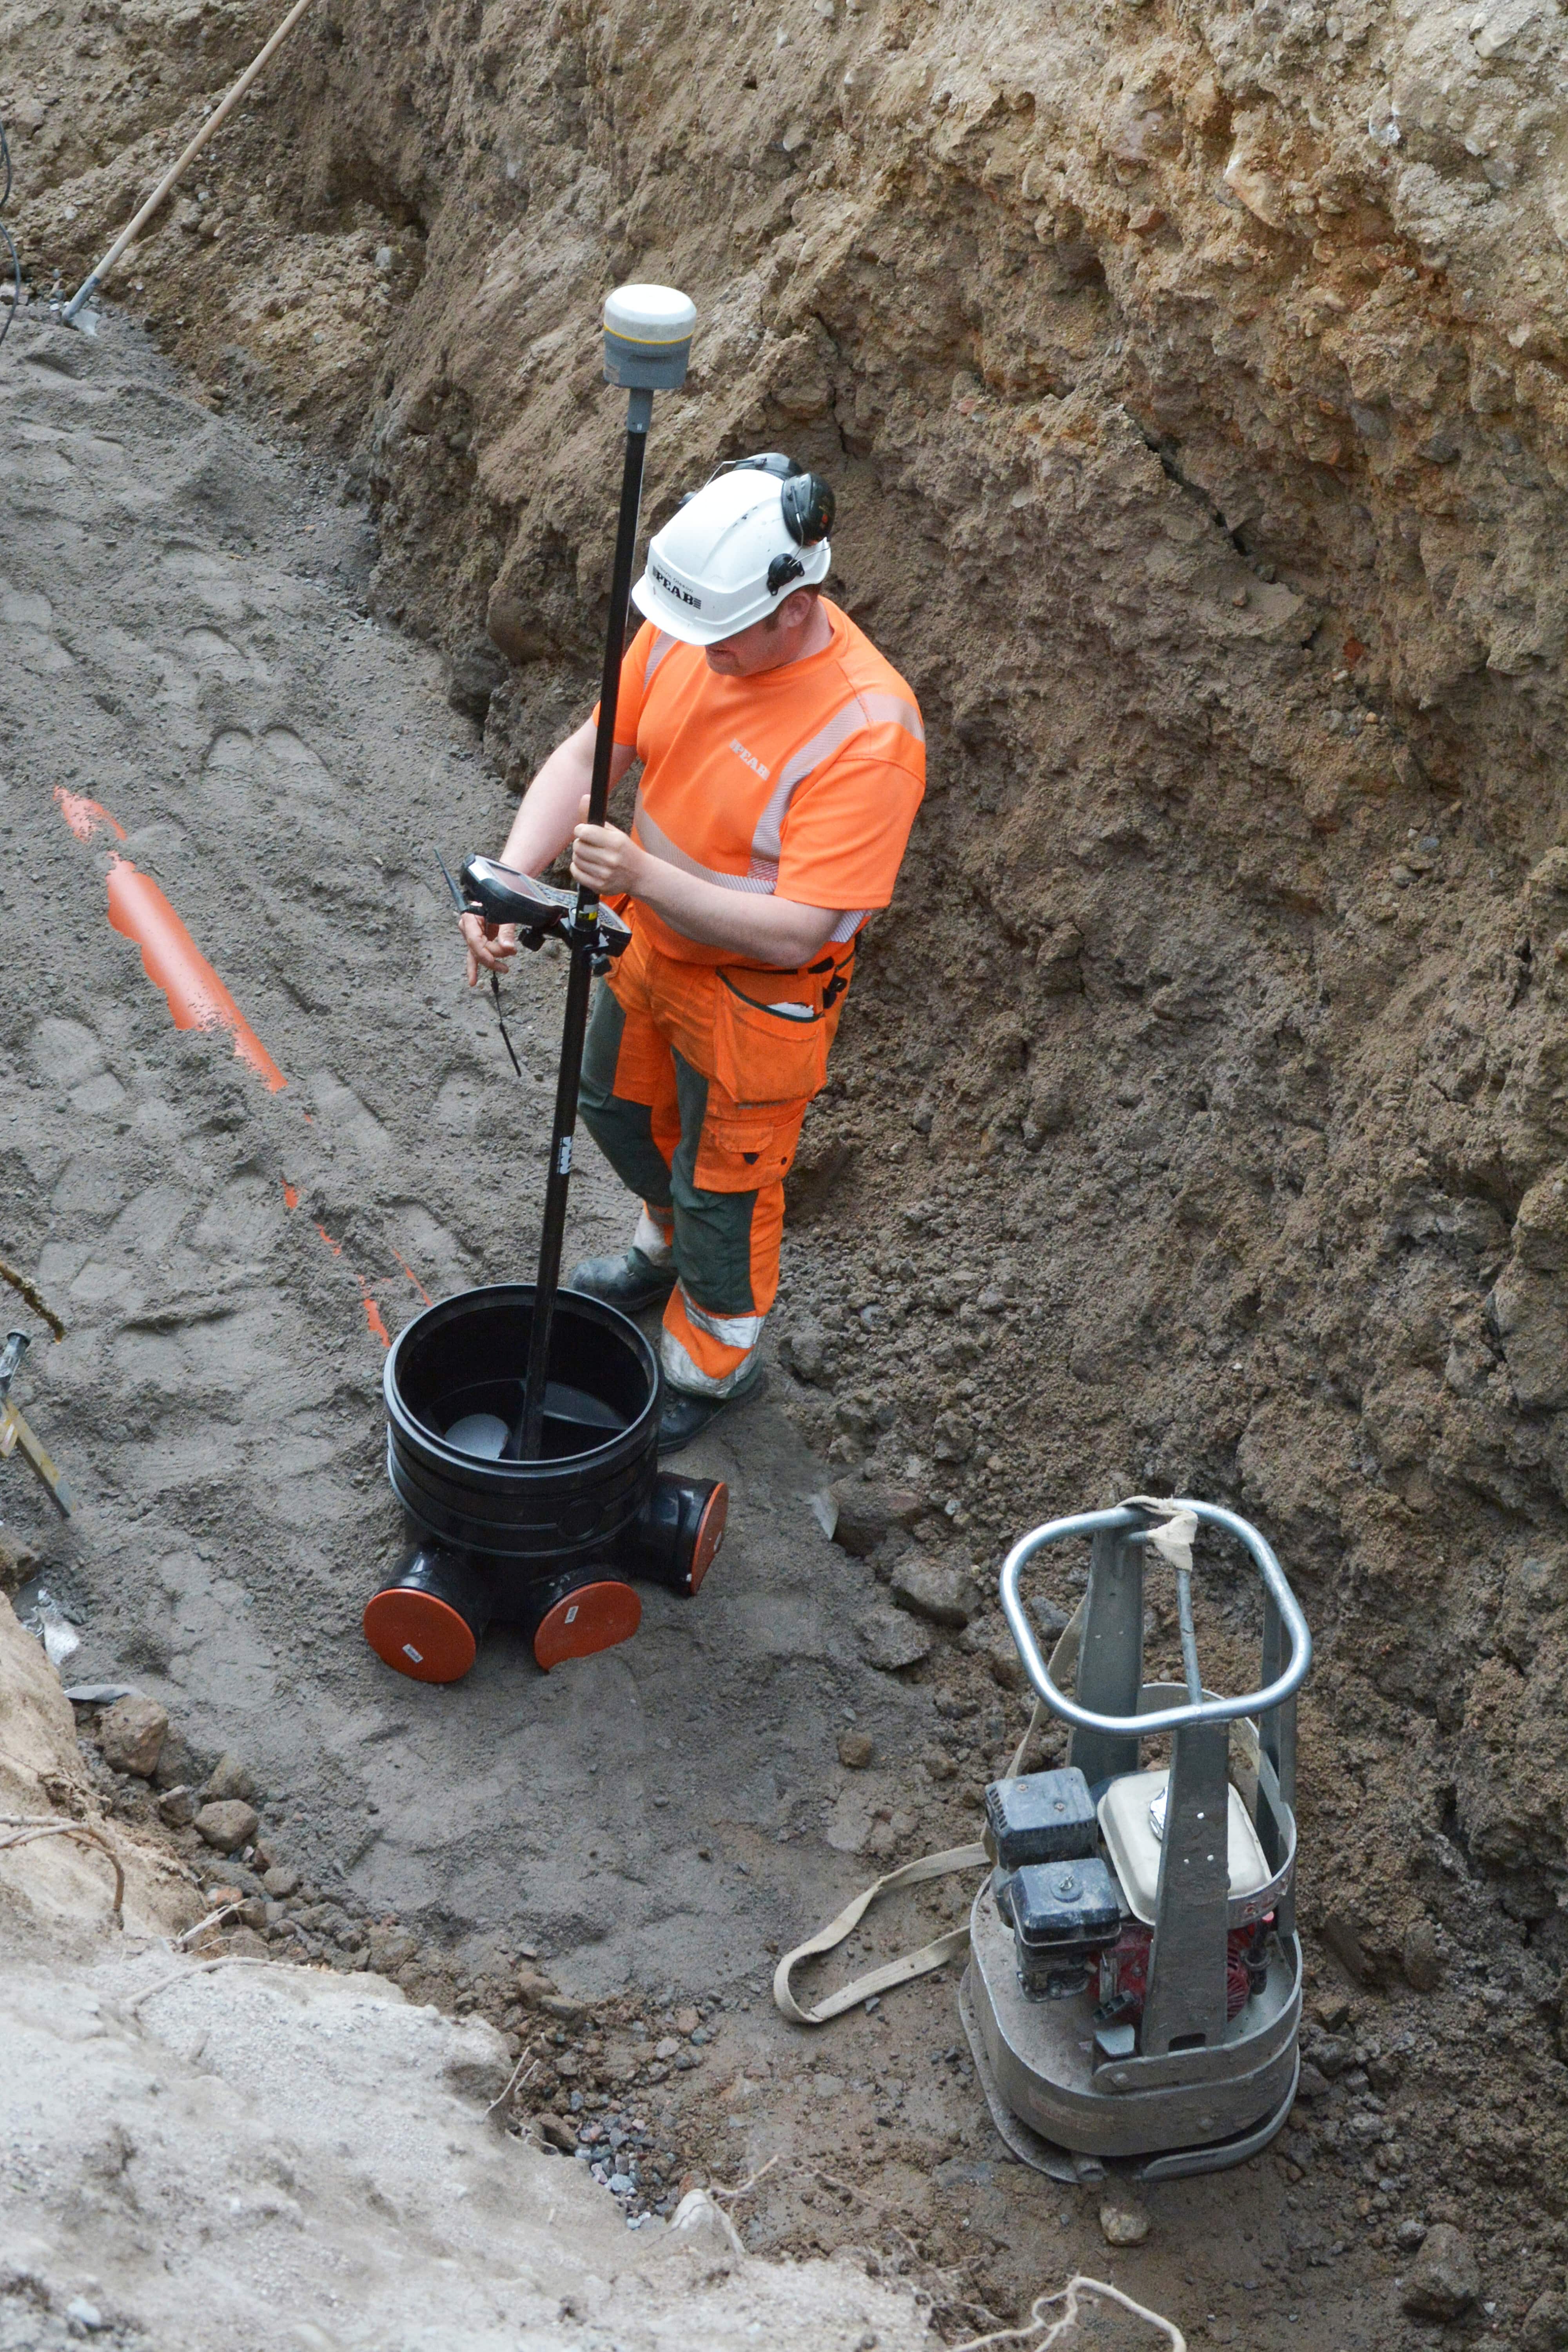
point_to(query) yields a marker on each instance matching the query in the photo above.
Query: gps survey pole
(647, 343)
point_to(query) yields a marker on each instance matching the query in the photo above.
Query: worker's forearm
(553, 802)
(771, 930)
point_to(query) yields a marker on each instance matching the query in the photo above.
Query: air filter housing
(1041, 1817)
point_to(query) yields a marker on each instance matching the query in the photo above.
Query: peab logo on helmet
(673, 588)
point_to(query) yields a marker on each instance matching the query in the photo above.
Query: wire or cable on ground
(14, 1831)
(199, 1968)
(8, 1273)
(15, 302)
(1040, 2332)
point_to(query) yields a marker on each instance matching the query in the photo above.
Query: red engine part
(1124, 1968)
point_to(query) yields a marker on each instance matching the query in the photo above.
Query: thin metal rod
(1189, 1637)
(1170, 1718)
(213, 123)
(525, 1441)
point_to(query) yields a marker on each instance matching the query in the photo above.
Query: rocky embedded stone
(854, 1750)
(17, 1561)
(928, 1589)
(390, 1948)
(132, 1732)
(938, 1764)
(553, 2132)
(1443, 2281)
(181, 1765)
(229, 1781)
(1312, 2085)
(476, 673)
(994, 1647)
(1545, 2328)
(890, 1639)
(1420, 1958)
(280, 1882)
(533, 1986)
(228, 1825)
(1343, 1938)
(1410, 2234)
(869, 1513)
(245, 1943)
(805, 1352)
(666, 2049)
(686, 2021)
(563, 2007)
(178, 1807)
(1123, 2223)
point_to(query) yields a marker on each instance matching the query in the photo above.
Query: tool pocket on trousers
(768, 1051)
(741, 1149)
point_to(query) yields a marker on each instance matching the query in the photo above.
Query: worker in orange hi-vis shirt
(782, 761)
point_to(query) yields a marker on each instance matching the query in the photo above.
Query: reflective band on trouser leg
(709, 1354)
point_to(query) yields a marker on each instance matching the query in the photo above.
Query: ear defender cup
(584, 1618)
(428, 1626)
(809, 507)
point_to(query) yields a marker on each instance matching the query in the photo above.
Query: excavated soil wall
(1193, 382)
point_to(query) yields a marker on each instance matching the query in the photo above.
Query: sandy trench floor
(182, 641)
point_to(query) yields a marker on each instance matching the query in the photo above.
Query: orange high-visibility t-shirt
(802, 781)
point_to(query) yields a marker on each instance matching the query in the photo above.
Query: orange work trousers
(695, 1080)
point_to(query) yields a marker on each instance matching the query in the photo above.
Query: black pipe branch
(551, 1546)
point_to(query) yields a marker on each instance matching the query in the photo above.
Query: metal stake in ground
(648, 343)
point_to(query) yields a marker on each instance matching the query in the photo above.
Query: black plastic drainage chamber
(548, 1545)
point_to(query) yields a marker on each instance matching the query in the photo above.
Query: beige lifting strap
(1173, 1538)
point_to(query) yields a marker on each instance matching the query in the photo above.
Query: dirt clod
(1443, 2281)
(131, 1733)
(928, 1589)
(229, 1779)
(228, 1825)
(1545, 2328)
(856, 1749)
(1123, 2222)
(1420, 1958)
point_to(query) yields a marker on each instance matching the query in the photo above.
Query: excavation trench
(1196, 1124)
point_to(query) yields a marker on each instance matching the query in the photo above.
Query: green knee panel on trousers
(623, 1131)
(712, 1230)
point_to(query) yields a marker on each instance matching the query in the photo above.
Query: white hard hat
(735, 549)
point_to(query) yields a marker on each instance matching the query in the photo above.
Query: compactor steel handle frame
(1283, 1624)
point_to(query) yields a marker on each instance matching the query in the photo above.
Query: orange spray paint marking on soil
(413, 1278)
(372, 1317)
(290, 1194)
(173, 961)
(85, 816)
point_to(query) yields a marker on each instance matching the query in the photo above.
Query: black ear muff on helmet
(808, 508)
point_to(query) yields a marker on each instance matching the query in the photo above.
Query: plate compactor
(522, 1421)
(1133, 1992)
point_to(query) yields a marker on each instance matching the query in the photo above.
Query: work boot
(631, 1282)
(686, 1414)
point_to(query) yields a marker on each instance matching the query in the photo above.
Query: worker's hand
(606, 859)
(491, 946)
